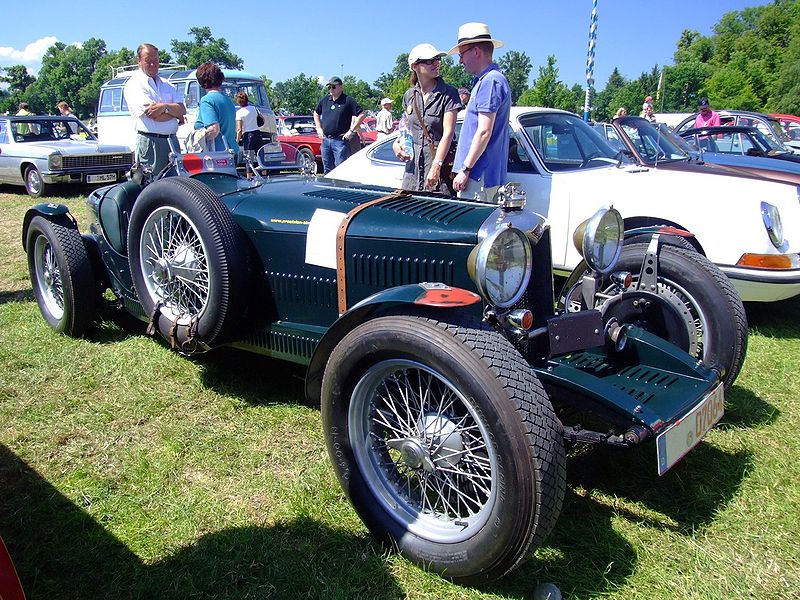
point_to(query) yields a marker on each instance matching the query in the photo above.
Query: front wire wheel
(695, 308)
(423, 449)
(445, 443)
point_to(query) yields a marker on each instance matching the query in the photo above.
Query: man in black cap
(706, 117)
(335, 126)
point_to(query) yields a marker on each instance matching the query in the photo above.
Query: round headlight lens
(599, 239)
(55, 161)
(772, 221)
(502, 266)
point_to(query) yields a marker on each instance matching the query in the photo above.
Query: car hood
(273, 207)
(68, 148)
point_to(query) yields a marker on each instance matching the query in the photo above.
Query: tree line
(751, 61)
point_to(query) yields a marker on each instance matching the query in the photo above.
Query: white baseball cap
(424, 52)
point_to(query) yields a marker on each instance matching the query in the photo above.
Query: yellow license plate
(680, 437)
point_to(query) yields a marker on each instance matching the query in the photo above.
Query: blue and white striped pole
(590, 61)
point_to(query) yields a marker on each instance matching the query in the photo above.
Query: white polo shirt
(141, 90)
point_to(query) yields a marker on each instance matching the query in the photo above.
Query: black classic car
(448, 384)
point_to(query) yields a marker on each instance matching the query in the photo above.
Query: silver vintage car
(41, 151)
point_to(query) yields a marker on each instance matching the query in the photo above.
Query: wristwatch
(439, 162)
(465, 169)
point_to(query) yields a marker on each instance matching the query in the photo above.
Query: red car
(368, 132)
(301, 133)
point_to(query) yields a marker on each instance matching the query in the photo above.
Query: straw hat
(474, 33)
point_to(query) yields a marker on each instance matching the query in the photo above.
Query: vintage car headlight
(55, 161)
(501, 266)
(599, 239)
(772, 221)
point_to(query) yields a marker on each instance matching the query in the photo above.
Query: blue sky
(363, 39)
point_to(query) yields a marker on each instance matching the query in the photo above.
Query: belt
(334, 137)
(152, 135)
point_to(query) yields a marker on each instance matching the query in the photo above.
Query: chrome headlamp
(55, 161)
(500, 266)
(599, 239)
(772, 221)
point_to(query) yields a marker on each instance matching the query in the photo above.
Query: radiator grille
(122, 159)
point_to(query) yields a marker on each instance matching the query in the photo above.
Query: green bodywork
(390, 248)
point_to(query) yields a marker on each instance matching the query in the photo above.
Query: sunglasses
(335, 85)
(428, 61)
(463, 52)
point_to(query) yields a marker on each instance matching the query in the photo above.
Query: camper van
(115, 125)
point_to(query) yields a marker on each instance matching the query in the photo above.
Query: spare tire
(189, 263)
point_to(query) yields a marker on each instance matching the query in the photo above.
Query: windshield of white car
(681, 143)
(769, 142)
(48, 130)
(650, 143)
(565, 143)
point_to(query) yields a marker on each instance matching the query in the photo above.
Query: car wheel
(445, 442)
(188, 262)
(696, 308)
(34, 184)
(309, 160)
(61, 275)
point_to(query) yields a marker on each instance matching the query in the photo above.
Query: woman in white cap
(429, 110)
(384, 123)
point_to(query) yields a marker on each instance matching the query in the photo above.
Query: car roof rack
(116, 71)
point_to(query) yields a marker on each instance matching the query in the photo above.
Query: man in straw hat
(482, 155)
(384, 123)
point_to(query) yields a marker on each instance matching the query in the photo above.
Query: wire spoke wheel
(48, 277)
(175, 264)
(423, 448)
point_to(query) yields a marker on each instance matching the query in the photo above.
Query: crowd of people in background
(473, 166)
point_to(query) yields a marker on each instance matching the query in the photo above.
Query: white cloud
(30, 56)
(32, 53)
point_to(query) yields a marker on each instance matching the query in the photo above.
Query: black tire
(700, 312)
(34, 184)
(309, 159)
(197, 272)
(474, 380)
(672, 240)
(61, 275)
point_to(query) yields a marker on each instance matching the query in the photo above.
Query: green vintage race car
(448, 384)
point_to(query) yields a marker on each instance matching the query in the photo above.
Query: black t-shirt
(336, 115)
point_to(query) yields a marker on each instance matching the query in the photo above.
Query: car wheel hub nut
(443, 440)
(162, 271)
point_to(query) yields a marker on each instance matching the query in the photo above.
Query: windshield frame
(660, 147)
(570, 144)
(74, 129)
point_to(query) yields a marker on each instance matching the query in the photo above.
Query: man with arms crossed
(481, 161)
(156, 107)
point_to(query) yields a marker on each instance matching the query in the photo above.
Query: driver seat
(115, 213)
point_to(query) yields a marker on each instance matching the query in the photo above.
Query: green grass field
(129, 471)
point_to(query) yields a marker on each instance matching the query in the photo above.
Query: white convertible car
(749, 227)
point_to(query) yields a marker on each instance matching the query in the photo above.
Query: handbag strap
(424, 129)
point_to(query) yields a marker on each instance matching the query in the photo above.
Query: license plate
(101, 178)
(683, 435)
